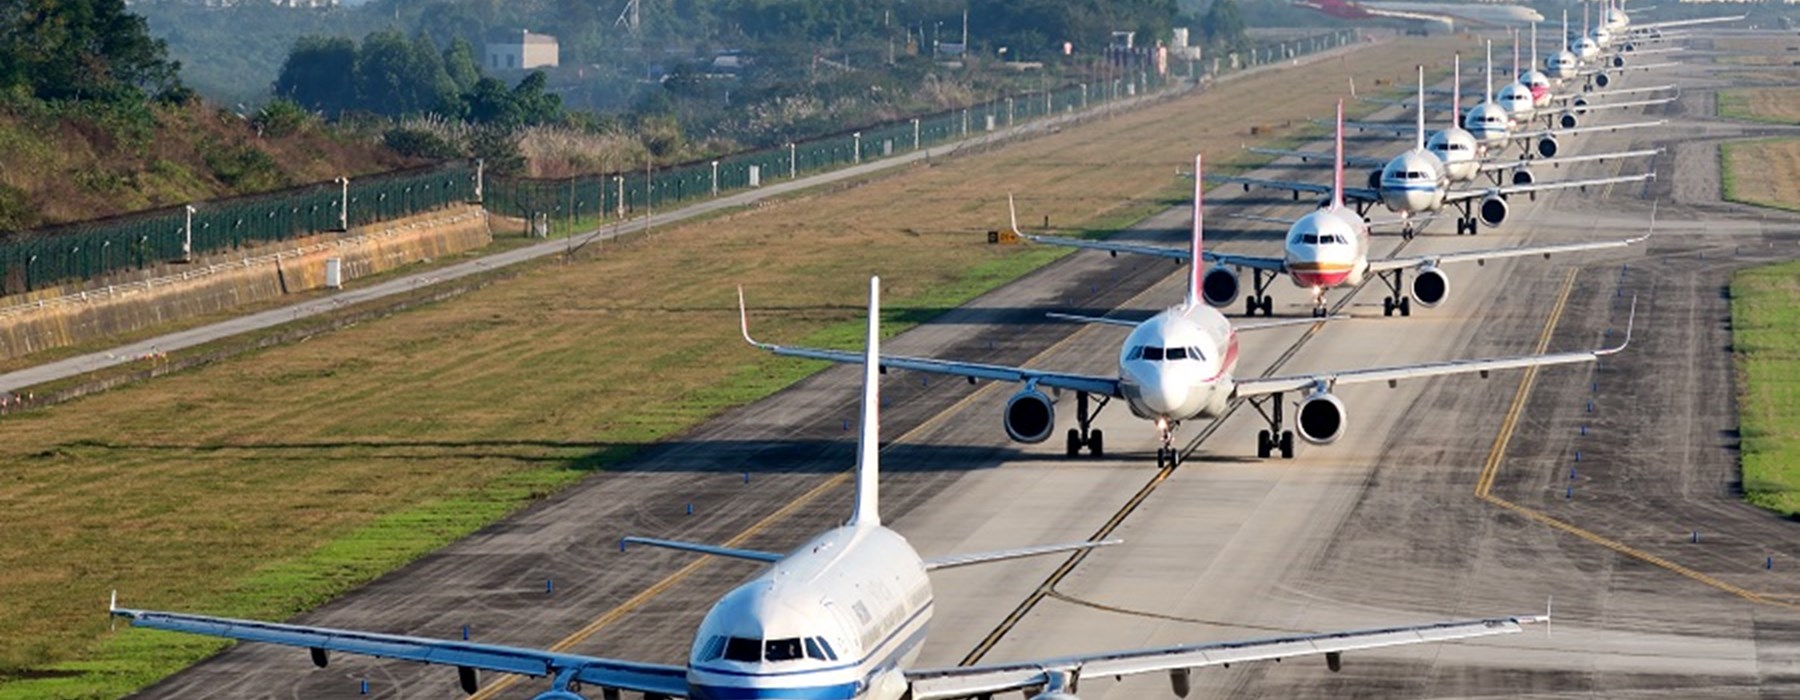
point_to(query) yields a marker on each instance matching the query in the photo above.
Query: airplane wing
(1628, 67)
(1584, 96)
(1405, 129)
(1560, 161)
(1091, 384)
(1358, 194)
(1653, 26)
(1325, 156)
(1535, 187)
(1182, 254)
(1062, 674)
(632, 676)
(1482, 256)
(1585, 107)
(1608, 128)
(1247, 388)
(956, 560)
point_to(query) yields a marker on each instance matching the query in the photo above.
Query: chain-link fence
(34, 259)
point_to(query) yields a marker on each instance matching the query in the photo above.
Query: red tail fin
(1337, 166)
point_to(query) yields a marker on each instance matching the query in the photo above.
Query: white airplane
(1178, 366)
(1325, 249)
(1415, 183)
(1531, 95)
(1464, 156)
(842, 616)
(1620, 26)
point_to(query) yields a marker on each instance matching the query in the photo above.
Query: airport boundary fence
(36, 259)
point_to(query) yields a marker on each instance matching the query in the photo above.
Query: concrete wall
(42, 321)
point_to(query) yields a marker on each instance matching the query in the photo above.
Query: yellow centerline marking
(1485, 484)
(643, 597)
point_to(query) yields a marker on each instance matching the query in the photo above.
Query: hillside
(65, 163)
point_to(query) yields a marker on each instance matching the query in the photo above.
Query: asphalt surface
(1383, 527)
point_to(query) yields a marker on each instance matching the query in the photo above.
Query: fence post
(187, 235)
(856, 141)
(915, 133)
(793, 160)
(715, 189)
(343, 203)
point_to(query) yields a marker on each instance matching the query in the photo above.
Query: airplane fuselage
(1178, 364)
(1414, 182)
(837, 618)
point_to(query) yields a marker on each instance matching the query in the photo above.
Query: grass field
(1765, 322)
(1772, 105)
(1764, 172)
(267, 484)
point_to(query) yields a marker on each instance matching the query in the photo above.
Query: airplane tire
(1387, 306)
(1287, 444)
(1263, 444)
(1406, 306)
(1096, 443)
(1074, 442)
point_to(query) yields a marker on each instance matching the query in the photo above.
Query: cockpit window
(743, 649)
(715, 647)
(783, 649)
(1176, 354)
(1153, 353)
(825, 646)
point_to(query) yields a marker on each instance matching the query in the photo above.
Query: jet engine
(1430, 286)
(1618, 61)
(1321, 419)
(1568, 120)
(1547, 147)
(1493, 210)
(1030, 416)
(558, 695)
(1601, 80)
(1374, 179)
(1219, 286)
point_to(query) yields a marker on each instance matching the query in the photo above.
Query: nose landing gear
(1167, 456)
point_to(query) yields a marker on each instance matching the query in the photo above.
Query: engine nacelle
(1219, 286)
(1320, 419)
(1602, 80)
(1618, 61)
(558, 695)
(1374, 179)
(1493, 210)
(1523, 176)
(1568, 120)
(1030, 417)
(1430, 286)
(1548, 147)
(1054, 696)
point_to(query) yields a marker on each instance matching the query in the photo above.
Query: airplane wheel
(1250, 306)
(1387, 306)
(1096, 443)
(1287, 444)
(1406, 306)
(1264, 445)
(1074, 443)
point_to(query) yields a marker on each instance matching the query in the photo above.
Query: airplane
(1325, 249)
(1415, 183)
(842, 616)
(1178, 365)
(1531, 95)
(1463, 155)
(1620, 25)
(1439, 12)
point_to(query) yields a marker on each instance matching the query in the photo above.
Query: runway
(1384, 527)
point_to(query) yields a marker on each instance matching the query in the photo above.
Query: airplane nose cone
(1164, 394)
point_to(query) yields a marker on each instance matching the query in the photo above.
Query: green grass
(1768, 105)
(286, 476)
(1765, 322)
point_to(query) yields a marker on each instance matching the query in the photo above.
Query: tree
(460, 62)
(1223, 27)
(320, 74)
(81, 49)
(383, 74)
(433, 90)
(536, 104)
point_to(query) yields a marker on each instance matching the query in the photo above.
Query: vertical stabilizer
(1565, 27)
(1517, 76)
(1455, 92)
(1490, 70)
(1197, 268)
(1534, 62)
(1584, 19)
(868, 442)
(1337, 166)
(1419, 133)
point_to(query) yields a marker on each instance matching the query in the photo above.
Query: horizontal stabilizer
(750, 554)
(956, 560)
(1286, 322)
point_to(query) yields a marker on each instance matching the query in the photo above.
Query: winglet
(1630, 320)
(744, 321)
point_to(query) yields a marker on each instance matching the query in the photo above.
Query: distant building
(522, 51)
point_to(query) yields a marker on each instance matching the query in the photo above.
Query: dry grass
(1764, 172)
(1774, 105)
(267, 484)
(1764, 50)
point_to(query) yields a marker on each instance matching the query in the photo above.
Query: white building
(522, 51)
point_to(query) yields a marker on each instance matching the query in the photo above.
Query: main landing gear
(1259, 299)
(1086, 436)
(1398, 301)
(1274, 439)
